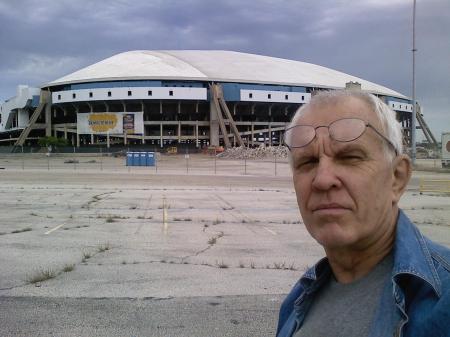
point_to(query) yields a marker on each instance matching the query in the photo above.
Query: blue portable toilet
(142, 158)
(150, 159)
(136, 158)
(129, 158)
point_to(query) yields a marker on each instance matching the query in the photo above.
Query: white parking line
(53, 229)
(271, 231)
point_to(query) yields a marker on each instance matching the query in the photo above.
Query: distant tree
(52, 141)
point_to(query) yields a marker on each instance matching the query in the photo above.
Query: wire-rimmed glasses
(341, 130)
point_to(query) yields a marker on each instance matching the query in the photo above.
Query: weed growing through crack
(281, 265)
(33, 214)
(104, 247)
(252, 265)
(110, 219)
(124, 262)
(27, 229)
(86, 256)
(41, 275)
(217, 221)
(241, 264)
(68, 267)
(212, 241)
(221, 264)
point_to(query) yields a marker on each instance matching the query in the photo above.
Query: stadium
(189, 98)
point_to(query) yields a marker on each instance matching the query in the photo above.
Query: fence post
(101, 159)
(245, 166)
(187, 163)
(215, 161)
(275, 165)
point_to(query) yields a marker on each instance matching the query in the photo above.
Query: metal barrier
(434, 185)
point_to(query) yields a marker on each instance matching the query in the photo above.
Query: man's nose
(325, 176)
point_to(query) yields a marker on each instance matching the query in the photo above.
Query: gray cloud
(43, 40)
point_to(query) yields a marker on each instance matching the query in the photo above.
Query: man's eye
(351, 157)
(306, 162)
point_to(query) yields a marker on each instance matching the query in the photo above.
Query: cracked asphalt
(159, 253)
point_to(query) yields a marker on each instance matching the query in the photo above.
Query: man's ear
(401, 171)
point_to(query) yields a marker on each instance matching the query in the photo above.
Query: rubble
(260, 152)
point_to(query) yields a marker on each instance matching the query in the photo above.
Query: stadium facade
(192, 97)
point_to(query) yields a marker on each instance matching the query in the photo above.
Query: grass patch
(41, 275)
(27, 229)
(86, 256)
(182, 219)
(277, 265)
(217, 221)
(221, 264)
(68, 268)
(110, 219)
(104, 247)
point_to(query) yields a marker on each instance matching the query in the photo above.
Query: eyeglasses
(342, 130)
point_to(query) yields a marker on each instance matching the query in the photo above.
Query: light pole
(414, 112)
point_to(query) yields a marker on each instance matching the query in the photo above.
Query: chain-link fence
(164, 164)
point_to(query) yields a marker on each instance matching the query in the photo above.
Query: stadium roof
(215, 65)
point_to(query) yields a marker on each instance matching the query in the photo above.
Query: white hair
(391, 128)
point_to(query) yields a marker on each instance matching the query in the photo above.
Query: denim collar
(411, 259)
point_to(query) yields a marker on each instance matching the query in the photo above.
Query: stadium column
(48, 119)
(213, 124)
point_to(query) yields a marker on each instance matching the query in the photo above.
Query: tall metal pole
(414, 112)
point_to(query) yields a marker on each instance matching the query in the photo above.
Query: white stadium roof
(215, 65)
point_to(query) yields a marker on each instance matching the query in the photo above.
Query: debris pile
(260, 152)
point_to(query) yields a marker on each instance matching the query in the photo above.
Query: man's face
(344, 190)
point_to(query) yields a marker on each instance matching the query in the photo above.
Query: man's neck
(348, 265)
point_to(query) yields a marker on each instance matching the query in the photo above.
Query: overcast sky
(42, 40)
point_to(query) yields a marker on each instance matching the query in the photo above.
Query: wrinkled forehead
(323, 113)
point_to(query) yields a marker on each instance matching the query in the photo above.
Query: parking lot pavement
(74, 241)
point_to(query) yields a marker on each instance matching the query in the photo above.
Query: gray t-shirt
(346, 310)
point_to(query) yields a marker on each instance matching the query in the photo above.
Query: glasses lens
(347, 129)
(299, 135)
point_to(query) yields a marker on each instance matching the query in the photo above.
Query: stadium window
(129, 93)
(286, 96)
(170, 93)
(74, 95)
(303, 98)
(269, 96)
(150, 93)
(250, 95)
(90, 94)
(109, 93)
(59, 97)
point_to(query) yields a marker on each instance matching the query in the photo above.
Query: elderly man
(380, 276)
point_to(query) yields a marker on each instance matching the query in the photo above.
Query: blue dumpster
(150, 159)
(129, 158)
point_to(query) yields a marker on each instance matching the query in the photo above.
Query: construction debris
(260, 152)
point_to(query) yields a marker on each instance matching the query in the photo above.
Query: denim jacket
(416, 303)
